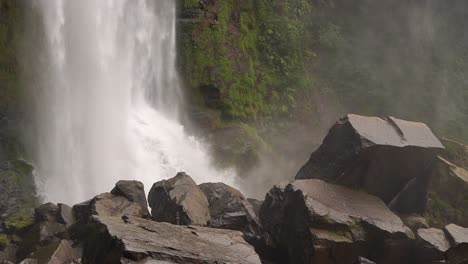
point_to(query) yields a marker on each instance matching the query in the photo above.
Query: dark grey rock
(229, 209)
(137, 240)
(179, 201)
(319, 222)
(431, 245)
(65, 215)
(414, 222)
(458, 238)
(46, 212)
(65, 253)
(256, 205)
(107, 204)
(381, 156)
(134, 191)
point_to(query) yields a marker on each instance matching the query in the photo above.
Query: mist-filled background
(273, 76)
(264, 80)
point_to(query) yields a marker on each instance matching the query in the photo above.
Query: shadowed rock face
(389, 158)
(448, 195)
(106, 204)
(229, 209)
(179, 201)
(136, 240)
(134, 191)
(431, 245)
(319, 222)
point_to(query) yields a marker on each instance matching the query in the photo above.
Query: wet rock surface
(136, 240)
(317, 222)
(389, 158)
(179, 201)
(229, 209)
(344, 216)
(134, 191)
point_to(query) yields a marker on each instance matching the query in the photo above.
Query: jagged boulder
(317, 222)
(137, 240)
(449, 245)
(134, 191)
(47, 225)
(229, 209)
(107, 204)
(60, 252)
(389, 158)
(431, 245)
(179, 201)
(65, 215)
(458, 238)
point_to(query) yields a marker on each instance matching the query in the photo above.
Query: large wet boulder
(125, 199)
(180, 201)
(317, 222)
(134, 191)
(107, 204)
(137, 240)
(448, 195)
(387, 157)
(229, 209)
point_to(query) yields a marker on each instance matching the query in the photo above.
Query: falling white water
(108, 107)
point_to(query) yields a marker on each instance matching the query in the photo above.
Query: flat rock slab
(435, 238)
(457, 234)
(137, 240)
(342, 205)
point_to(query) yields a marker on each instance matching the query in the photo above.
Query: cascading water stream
(107, 106)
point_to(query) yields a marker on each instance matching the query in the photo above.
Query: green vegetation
(19, 220)
(9, 81)
(245, 59)
(442, 210)
(281, 65)
(4, 242)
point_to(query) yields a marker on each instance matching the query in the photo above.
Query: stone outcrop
(458, 238)
(389, 158)
(107, 204)
(179, 201)
(136, 240)
(229, 209)
(134, 191)
(431, 245)
(317, 222)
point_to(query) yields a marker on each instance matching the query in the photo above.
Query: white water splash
(108, 109)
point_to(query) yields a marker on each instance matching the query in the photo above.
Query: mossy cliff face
(274, 64)
(17, 188)
(244, 58)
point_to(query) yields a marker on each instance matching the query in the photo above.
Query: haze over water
(110, 106)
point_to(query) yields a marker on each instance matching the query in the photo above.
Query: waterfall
(107, 102)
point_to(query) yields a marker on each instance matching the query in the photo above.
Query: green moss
(19, 220)
(230, 50)
(4, 242)
(191, 4)
(456, 152)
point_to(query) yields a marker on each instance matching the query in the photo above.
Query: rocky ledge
(361, 198)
